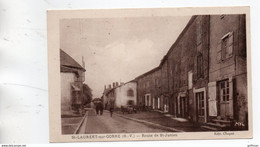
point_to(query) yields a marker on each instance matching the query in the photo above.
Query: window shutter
(229, 51)
(212, 102)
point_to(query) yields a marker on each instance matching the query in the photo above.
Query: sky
(118, 49)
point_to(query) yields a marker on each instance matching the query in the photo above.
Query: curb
(150, 123)
(80, 124)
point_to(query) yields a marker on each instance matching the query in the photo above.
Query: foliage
(87, 94)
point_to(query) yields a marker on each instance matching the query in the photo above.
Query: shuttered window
(199, 66)
(130, 92)
(224, 90)
(198, 33)
(226, 50)
(200, 103)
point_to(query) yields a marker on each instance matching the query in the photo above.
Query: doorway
(184, 107)
(224, 99)
(200, 106)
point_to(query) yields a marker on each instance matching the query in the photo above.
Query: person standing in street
(111, 108)
(97, 109)
(111, 111)
(101, 108)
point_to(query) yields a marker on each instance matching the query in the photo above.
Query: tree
(87, 94)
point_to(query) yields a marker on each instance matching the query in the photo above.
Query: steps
(208, 128)
(220, 121)
(217, 125)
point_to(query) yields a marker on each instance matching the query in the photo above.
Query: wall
(218, 28)
(66, 80)
(121, 94)
(146, 84)
(156, 88)
(234, 67)
(182, 59)
(164, 78)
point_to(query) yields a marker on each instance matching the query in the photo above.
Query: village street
(94, 124)
(191, 90)
(140, 122)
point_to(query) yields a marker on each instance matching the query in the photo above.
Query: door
(166, 104)
(154, 103)
(224, 97)
(148, 100)
(183, 107)
(158, 103)
(161, 102)
(200, 107)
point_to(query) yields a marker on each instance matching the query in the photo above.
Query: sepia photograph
(146, 74)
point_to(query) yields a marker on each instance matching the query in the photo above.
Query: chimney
(117, 84)
(109, 86)
(114, 85)
(105, 87)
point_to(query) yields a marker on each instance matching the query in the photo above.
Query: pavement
(70, 124)
(95, 124)
(162, 120)
(140, 122)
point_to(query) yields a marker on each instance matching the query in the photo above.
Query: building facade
(120, 95)
(149, 89)
(227, 70)
(203, 76)
(72, 78)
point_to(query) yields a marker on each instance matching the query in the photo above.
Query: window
(130, 92)
(226, 50)
(198, 32)
(158, 83)
(224, 90)
(200, 103)
(199, 66)
(190, 79)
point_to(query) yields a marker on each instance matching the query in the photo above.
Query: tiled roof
(67, 62)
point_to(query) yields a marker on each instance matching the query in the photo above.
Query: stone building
(203, 76)
(149, 89)
(228, 71)
(120, 95)
(188, 70)
(72, 78)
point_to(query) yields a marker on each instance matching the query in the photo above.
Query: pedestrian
(111, 109)
(97, 109)
(101, 108)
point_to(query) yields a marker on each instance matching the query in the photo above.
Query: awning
(76, 88)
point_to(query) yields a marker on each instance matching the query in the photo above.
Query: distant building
(149, 90)
(72, 78)
(120, 95)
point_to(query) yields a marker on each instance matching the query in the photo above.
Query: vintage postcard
(149, 74)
